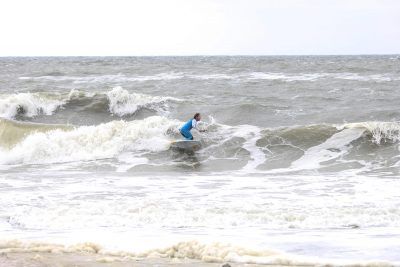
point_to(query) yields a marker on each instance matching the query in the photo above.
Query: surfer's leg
(187, 135)
(182, 133)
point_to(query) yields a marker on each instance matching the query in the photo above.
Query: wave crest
(381, 132)
(122, 103)
(91, 142)
(117, 101)
(29, 105)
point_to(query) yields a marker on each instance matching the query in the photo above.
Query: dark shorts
(186, 134)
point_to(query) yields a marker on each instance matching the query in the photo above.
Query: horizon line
(207, 55)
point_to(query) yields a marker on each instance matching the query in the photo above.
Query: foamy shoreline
(22, 253)
(15, 253)
(39, 259)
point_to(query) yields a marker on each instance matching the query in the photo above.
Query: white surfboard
(186, 145)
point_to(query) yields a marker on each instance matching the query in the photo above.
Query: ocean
(300, 163)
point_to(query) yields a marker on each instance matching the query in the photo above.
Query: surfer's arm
(195, 126)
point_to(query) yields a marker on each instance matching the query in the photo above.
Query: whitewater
(299, 164)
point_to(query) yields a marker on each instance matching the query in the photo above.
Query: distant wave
(105, 78)
(243, 76)
(118, 101)
(29, 104)
(122, 103)
(318, 76)
(128, 78)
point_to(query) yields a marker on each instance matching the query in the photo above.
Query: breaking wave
(380, 132)
(298, 147)
(47, 143)
(122, 103)
(29, 104)
(117, 101)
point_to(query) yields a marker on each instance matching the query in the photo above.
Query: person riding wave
(189, 125)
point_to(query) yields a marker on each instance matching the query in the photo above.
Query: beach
(299, 164)
(48, 259)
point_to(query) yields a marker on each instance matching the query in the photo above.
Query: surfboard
(186, 145)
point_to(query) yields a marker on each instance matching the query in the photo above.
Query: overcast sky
(198, 27)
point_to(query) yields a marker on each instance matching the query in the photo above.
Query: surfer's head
(197, 116)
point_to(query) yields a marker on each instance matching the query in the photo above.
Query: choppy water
(301, 154)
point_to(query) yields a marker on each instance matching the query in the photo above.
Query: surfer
(188, 126)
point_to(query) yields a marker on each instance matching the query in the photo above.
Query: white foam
(198, 203)
(285, 76)
(91, 142)
(28, 105)
(381, 131)
(135, 212)
(206, 252)
(365, 78)
(74, 93)
(213, 76)
(129, 161)
(121, 102)
(337, 145)
(251, 134)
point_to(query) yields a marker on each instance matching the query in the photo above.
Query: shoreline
(14, 253)
(74, 259)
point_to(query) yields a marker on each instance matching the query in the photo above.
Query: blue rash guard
(187, 127)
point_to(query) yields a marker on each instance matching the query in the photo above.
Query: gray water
(305, 147)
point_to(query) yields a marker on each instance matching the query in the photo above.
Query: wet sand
(45, 259)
